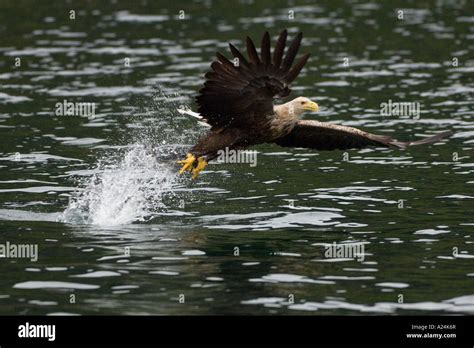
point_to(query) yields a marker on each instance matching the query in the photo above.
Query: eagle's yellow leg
(187, 163)
(200, 166)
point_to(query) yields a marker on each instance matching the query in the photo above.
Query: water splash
(132, 185)
(124, 190)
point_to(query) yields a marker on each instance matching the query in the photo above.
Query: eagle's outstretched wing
(242, 91)
(328, 136)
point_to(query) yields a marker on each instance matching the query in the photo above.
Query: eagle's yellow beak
(311, 106)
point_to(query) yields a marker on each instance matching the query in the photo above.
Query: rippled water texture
(118, 228)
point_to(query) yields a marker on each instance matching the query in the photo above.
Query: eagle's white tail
(191, 113)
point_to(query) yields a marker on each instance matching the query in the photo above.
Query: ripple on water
(54, 285)
(431, 232)
(125, 16)
(97, 274)
(193, 253)
(100, 91)
(463, 304)
(288, 278)
(6, 98)
(393, 285)
(287, 220)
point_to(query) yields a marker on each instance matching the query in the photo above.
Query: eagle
(237, 103)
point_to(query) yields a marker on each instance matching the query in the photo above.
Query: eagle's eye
(302, 103)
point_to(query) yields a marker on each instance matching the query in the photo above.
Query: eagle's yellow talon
(187, 163)
(199, 167)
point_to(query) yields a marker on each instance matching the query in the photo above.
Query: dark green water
(118, 229)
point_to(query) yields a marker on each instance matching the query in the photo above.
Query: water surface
(118, 228)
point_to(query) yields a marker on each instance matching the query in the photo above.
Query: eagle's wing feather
(328, 136)
(236, 95)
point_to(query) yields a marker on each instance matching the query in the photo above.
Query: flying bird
(237, 103)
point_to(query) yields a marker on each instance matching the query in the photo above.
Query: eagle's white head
(301, 104)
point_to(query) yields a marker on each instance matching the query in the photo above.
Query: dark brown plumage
(241, 93)
(237, 102)
(327, 136)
